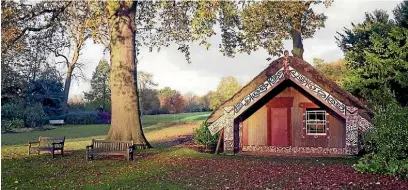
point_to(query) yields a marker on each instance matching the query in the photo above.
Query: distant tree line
(153, 100)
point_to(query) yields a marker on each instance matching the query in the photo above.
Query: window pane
(315, 122)
(320, 116)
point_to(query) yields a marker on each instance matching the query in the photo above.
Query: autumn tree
(266, 24)
(204, 102)
(147, 96)
(336, 70)
(19, 20)
(171, 100)
(100, 90)
(77, 25)
(226, 89)
(245, 27)
(192, 102)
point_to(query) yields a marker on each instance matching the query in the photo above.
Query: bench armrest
(131, 148)
(61, 144)
(32, 142)
(89, 147)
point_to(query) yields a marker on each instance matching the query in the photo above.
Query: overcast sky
(170, 68)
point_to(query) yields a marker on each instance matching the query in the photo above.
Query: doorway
(279, 127)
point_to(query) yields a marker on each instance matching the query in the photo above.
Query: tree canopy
(376, 52)
(227, 87)
(100, 90)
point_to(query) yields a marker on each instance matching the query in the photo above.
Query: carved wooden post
(352, 119)
(228, 130)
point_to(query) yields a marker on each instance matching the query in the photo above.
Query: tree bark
(297, 43)
(104, 97)
(67, 86)
(125, 124)
(70, 70)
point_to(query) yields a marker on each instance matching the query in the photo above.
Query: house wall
(255, 127)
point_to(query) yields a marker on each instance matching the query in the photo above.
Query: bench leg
(62, 152)
(29, 149)
(87, 156)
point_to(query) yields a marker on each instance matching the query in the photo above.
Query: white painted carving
(224, 120)
(322, 94)
(260, 91)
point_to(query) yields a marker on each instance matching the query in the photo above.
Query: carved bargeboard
(259, 91)
(322, 94)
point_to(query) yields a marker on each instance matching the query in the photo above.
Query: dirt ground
(246, 171)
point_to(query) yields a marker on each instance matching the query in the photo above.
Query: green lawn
(72, 172)
(181, 117)
(84, 132)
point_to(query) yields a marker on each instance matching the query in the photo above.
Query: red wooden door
(279, 127)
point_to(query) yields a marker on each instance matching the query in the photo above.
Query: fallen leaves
(289, 173)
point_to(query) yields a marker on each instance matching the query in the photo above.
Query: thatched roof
(305, 69)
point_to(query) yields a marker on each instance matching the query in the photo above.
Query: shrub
(388, 143)
(35, 116)
(104, 117)
(374, 163)
(81, 118)
(9, 125)
(11, 111)
(203, 136)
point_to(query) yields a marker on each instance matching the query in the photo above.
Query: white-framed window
(316, 122)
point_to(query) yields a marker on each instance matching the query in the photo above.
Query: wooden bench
(111, 148)
(56, 122)
(49, 144)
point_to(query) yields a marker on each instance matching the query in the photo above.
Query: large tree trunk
(67, 86)
(70, 70)
(126, 124)
(296, 34)
(297, 43)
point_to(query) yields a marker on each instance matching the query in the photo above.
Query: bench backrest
(47, 141)
(111, 146)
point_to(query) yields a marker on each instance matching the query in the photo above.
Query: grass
(86, 132)
(181, 117)
(27, 172)
(73, 172)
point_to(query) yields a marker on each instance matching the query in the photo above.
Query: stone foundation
(295, 150)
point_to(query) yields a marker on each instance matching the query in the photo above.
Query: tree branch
(49, 24)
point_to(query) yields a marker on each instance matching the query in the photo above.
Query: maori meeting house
(291, 108)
